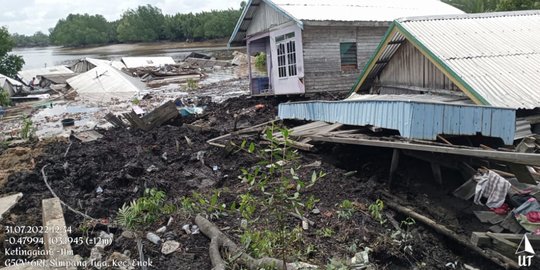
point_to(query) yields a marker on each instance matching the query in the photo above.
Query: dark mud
(118, 164)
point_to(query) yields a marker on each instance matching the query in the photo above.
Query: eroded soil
(118, 165)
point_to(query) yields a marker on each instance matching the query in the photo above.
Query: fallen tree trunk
(219, 240)
(491, 255)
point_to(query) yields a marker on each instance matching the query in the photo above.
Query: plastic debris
(169, 247)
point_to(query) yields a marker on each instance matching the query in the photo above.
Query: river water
(51, 56)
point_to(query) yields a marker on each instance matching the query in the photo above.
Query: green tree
(505, 5)
(9, 64)
(38, 39)
(81, 30)
(474, 6)
(146, 23)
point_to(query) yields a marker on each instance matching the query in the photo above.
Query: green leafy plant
(192, 84)
(27, 129)
(277, 178)
(135, 101)
(337, 264)
(144, 211)
(4, 98)
(326, 232)
(346, 209)
(376, 209)
(260, 62)
(208, 205)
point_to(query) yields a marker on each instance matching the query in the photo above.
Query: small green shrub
(260, 62)
(346, 209)
(4, 98)
(208, 205)
(325, 232)
(192, 84)
(27, 129)
(376, 209)
(144, 211)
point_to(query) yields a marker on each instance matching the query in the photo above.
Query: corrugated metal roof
(27, 75)
(4, 78)
(135, 62)
(96, 62)
(104, 83)
(494, 56)
(413, 119)
(363, 10)
(421, 98)
(58, 78)
(343, 10)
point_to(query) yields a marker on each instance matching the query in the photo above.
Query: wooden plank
(56, 241)
(466, 191)
(519, 158)
(482, 239)
(8, 202)
(437, 175)
(393, 165)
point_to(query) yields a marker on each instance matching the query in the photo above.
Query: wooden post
(437, 175)
(393, 165)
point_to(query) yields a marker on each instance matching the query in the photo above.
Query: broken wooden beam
(55, 240)
(491, 255)
(8, 202)
(514, 157)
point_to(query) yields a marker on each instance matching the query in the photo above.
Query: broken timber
(491, 255)
(358, 139)
(155, 118)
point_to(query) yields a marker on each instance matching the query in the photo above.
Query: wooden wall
(265, 17)
(408, 67)
(322, 56)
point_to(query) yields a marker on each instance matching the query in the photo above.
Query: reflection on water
(54, 55)
(48, 120)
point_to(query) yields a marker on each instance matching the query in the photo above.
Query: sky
(29, 16)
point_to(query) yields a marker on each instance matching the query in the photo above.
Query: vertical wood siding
(265, 18)
(322, 56)
(408, 67)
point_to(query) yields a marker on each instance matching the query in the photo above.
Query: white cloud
(29, 16)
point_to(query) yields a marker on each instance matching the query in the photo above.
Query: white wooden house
(315, 45)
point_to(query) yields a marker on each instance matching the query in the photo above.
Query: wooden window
(348, 57)
(286, 55)
(291, 57)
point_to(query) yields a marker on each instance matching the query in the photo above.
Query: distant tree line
(39, 39)
(143, 24)
(477, 6)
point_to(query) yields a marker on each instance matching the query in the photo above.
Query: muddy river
(50, 56)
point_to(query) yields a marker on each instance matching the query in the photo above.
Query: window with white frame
(286, 55)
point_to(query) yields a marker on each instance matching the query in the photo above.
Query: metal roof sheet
(96, 62)
(343, 10)
(414, 119)
(27, 75)
(135, 62)
(363, 10)
(104, 83)
(495, 56)
(4, 78)
(421, 98)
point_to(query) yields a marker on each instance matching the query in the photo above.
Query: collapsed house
(87, 63)
(26, 76)
(136, 62)
(54, 81)
(104, 83)
(10, 85)
(314, 46)
(474, 74)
